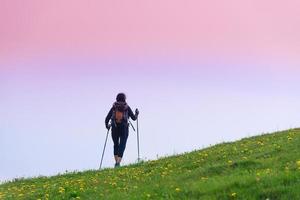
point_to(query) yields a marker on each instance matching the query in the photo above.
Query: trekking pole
(132, 126)
(138, 140)
(104, 148)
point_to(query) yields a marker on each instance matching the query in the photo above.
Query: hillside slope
(261, 167)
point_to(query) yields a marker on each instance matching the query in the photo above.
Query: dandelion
(177, 189)
(229, 162)
(298, 163)
(260, 143)
(61, 190)
(233, 194)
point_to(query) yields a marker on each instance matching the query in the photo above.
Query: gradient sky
(201, 72)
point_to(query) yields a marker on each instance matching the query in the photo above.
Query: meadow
(262, 167)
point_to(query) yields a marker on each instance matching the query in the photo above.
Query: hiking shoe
(117, 165)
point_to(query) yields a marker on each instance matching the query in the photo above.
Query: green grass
(261, 167)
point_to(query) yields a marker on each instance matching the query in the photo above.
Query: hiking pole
(104, 148)
(138, 140)
(132, 126)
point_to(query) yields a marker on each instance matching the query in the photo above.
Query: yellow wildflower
(61, 190)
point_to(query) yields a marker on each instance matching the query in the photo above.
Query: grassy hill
(261, 167)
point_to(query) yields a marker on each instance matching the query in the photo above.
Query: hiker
(119, 115)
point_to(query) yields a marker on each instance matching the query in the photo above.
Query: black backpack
(120, 113)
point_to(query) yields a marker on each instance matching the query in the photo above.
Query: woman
(119, 115)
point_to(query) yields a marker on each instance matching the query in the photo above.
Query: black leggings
(119, 136)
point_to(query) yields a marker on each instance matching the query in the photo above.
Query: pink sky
(261, 29)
